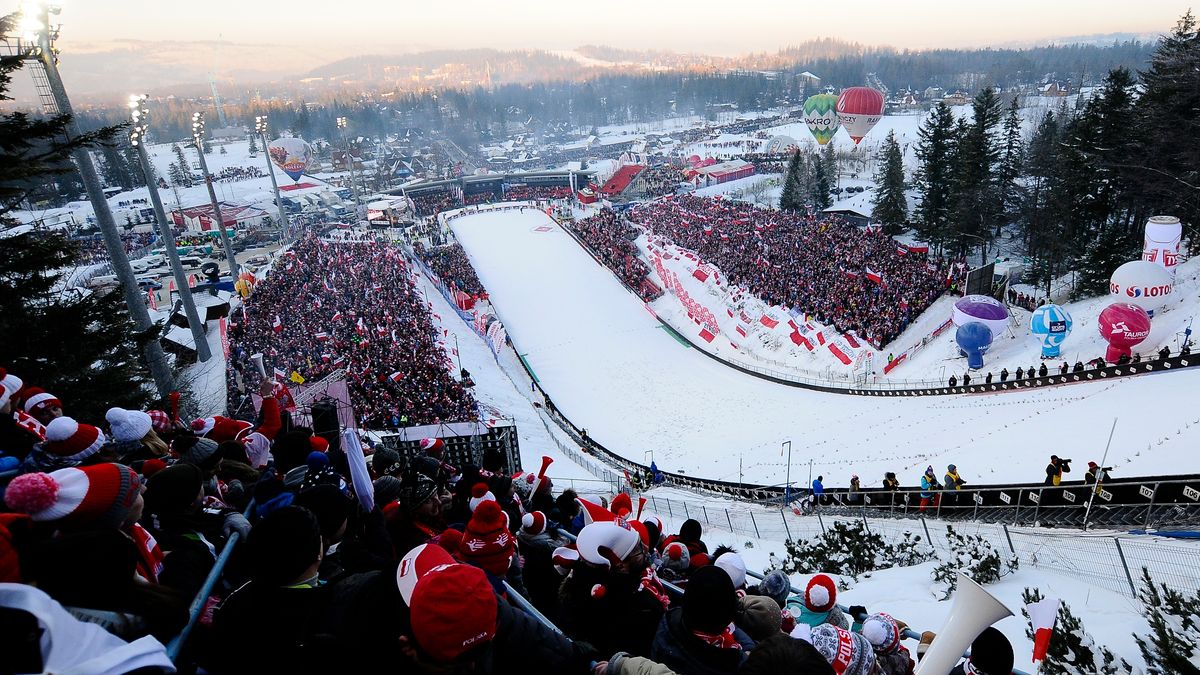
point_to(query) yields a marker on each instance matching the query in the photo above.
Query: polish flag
(706, 336)
(153, 299)
(874, 276)
(740, 330)
(322, 336)
(396, 376)
(277, 325)
(768, 321)
(361, 327)
(1041, 616)
(280, 375)
(337, 316)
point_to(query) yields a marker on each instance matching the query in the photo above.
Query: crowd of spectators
(111, 528)
(451, 264)
(93, 250)
(852, 278)
(350, 306)
(661, 179)
(234, 174)
(435, 202)
(611, 238)
(518, 193)
(1025, 300)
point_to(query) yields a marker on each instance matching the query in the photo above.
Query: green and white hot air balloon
(820, 114)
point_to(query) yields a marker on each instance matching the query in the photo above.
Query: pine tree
(1072, 650)
(829, 161)
(1173, 646)
(207, 147)
(136, 176)
(253, 150)
(1041, 228)
(82, 347)
(933, 178)
(791, 198)
(116, 169)
(1111, 249)
(1012, 156)
(185, 171)
(224, 151)
(1169, 180)
(821, 186)
(976, 205)
(176, 175)
(891, 205)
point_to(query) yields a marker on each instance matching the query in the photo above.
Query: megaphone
(258, 363)
(974, 610)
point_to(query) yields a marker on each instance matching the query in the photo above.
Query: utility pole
(787, 488)
(198, 138)
(354, 176)
(260, 128)
(45, 57)
(137, 135)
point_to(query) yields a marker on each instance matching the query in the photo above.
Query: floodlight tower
(198, 139)
(38, 49)
(341, 125)
(260, 128)
(140, 118)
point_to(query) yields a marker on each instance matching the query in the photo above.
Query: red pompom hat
(487, 543)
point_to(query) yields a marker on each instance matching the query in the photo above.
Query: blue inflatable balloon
(973, 340)
(1052, 324)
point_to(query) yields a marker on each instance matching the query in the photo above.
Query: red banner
(768, 321)
(841, 356)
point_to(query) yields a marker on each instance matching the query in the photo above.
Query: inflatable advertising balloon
(973, 340)
(984, 309)
(859, 109)
(290, 154)
(1122, 325)
(820, 114)
(1052, 324)
(780, 144)
(1161, 245)
(1143, 283)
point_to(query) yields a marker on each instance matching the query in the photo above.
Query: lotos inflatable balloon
(1145, 284)
(1122, 325)
(984, 309)
(820, 114)
(1052, 324)
(859, 109)
(973, 340)
(290, 154)
(1161, 245)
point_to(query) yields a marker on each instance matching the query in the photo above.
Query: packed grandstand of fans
(660, 179)
(233, 174)
(352, 307)
(851, 278)
(93, 249)
(611, 239)
(451, 264)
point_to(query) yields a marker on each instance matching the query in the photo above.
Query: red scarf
(653, 586)
(150, 556)
(722, 640)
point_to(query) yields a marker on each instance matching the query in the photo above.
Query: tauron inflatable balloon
(1122, 325)
(821, 116)
(973, 340)
(1052, 324)
(290, 154)
(984, 309)
(1161, 245)
(859, 109)
(1145, 284)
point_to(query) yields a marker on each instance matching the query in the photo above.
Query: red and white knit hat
(159, 420)
(821, 593)
(533, 523)
(594, 513)
(487, 542)
(100, 495)
(480, 494)
(622, 506)
(71, 440)
(433, 446)
(9, 386)
(605, 543)
(36, 399)
(219, 428)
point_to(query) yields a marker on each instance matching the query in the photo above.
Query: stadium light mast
(140, 117)
(198, 139)
(341, 125)
(54, 98)
(260, 128)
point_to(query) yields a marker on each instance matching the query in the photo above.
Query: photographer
(1056, 468)
(1096, 474)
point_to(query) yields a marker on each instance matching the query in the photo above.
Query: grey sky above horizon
(704, 26)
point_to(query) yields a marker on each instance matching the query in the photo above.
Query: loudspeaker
(325, 424)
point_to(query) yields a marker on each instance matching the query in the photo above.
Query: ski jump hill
(612, 368)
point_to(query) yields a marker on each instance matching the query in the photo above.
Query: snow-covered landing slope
(613, 370)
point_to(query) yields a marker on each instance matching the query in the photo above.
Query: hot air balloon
(290, 154)
(1143, 283)
(859, 109)
(1122, 325)
(820, 114)
(984, 309)
(973, 339)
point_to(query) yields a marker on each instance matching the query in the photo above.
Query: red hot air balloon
(1122, 325)
(859, 109)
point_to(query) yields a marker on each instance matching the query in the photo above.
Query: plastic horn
(974, 610)
(258, 363)
(546, 462)
(641, 505)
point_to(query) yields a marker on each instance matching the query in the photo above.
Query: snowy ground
(611, 368)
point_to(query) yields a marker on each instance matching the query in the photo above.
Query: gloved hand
(858, 612)
(236, 522)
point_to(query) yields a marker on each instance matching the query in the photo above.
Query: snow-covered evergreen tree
(890, 204)
(1173, 645)
(975, 557)
(791, 198)
(1072, 650)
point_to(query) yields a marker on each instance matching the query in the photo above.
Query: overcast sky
(339, 27)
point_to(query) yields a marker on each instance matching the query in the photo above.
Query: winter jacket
(624, 619)
(522, 639)
(278, 621)
(954, 481)
(818, 488)
(834, 617)
(928, 485)
(540, 577)
(626, 664)
(678, 649)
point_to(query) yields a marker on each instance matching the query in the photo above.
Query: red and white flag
(280, 375)
(874, 276)
(396, 376)
(740, 330)
(337, 316)
(322, 336)
(1042, 615)
(706, 335)
(768, 321)
(277, 325)
(361, 327)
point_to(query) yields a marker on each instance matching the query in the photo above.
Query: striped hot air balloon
(1051, 323)
(859, 109)
(820, 114)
